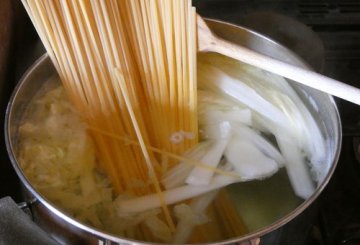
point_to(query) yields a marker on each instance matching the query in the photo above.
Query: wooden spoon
(209, 42)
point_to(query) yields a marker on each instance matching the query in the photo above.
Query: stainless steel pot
(69, 231)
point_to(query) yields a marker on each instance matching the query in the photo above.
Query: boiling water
(261, 203)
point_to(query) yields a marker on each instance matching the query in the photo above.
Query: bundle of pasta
(152, 44)
(129, 68)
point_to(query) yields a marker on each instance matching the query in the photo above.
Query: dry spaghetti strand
(152, 43)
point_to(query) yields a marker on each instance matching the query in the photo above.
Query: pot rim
(101, 235)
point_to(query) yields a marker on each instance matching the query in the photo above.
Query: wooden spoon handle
(303, 76)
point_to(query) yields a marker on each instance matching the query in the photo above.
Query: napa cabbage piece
(276, 90)
(201, 176)
(192, 215)
(277, 110)
(248, 160)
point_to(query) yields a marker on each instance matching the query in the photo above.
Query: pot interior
(264, 205)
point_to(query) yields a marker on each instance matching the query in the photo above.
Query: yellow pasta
(152, 45)
(129, 68)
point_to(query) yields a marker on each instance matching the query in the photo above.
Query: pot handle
(16, 227)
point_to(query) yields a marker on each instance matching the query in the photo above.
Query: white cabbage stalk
(216, 80)
(297, 123)
(297, 171)
(172, 196)
(208, 98)
(191, 215)
(201, 176)
(176, 176)
(159, 228)
(260, 142)
(216, 115)
(308, 135)
(265, 83)
(248, 161)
